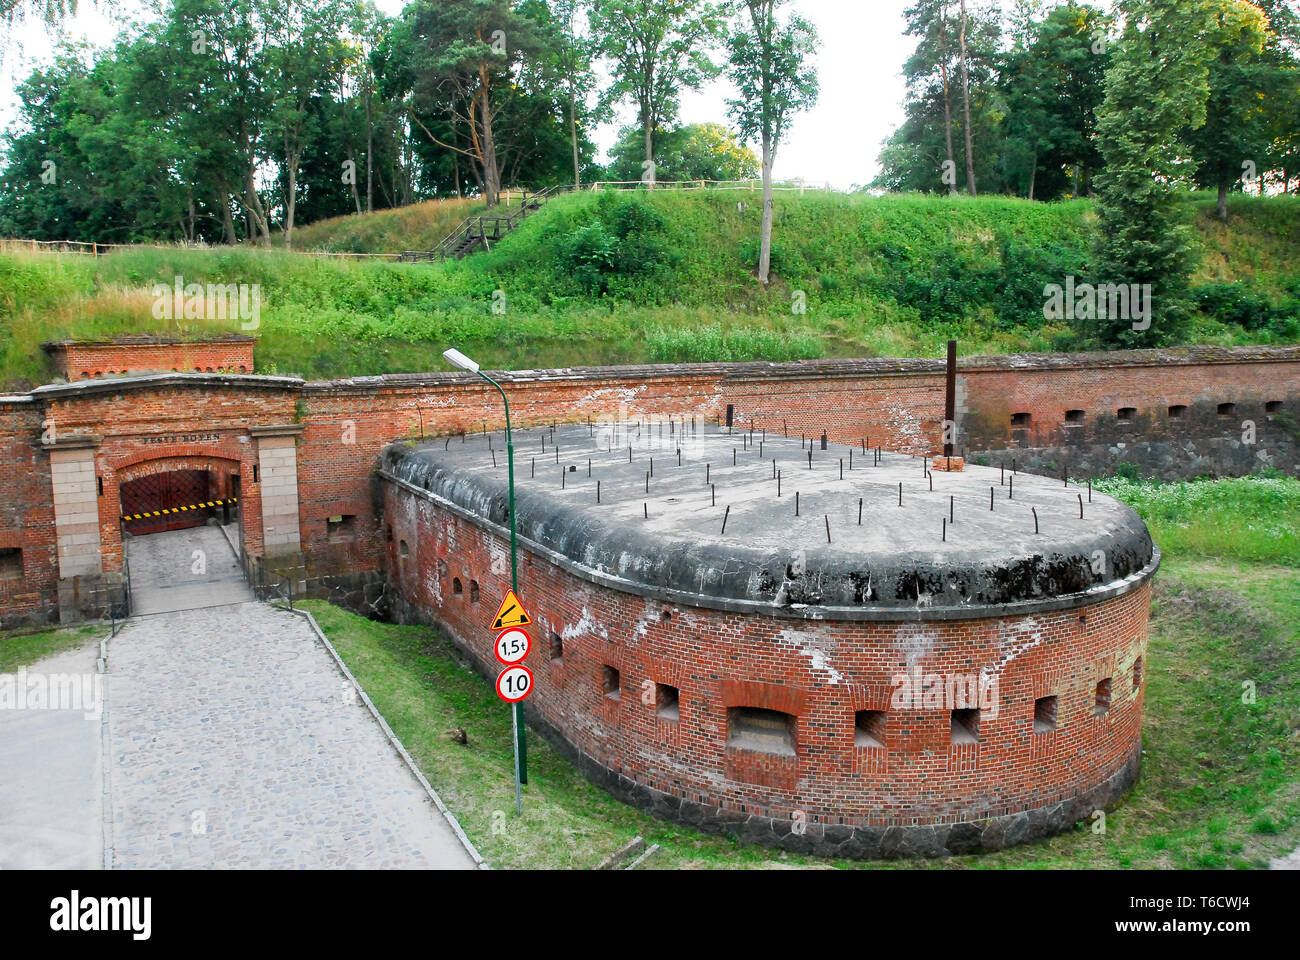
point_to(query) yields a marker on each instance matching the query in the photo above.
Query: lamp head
(458, 359)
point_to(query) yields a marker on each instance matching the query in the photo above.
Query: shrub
(625, 239)
(1235, 303)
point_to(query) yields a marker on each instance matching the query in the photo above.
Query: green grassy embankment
(664, 277)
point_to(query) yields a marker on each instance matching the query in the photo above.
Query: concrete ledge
(1163, 357)
(751, 370)
(147, 340)
(73, 441)
(1068, 601)
(277, 430)
(223, 381)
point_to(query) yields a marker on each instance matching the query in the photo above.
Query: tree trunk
(573, 135)
(455, 154)
(292, 157)
(227, 219)
(259, 226)
(1033, 175)
(252, 203)
(291, 203)
(491, 172)
(1222, 207)
(947, 97)
(370, 149)
(965, 83)
(765, 244)
(356, 197)
(647, 126)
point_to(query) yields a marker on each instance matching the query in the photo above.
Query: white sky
(861, 53)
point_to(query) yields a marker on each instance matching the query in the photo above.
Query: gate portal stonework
(166, 441)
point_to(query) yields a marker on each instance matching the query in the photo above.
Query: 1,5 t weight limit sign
(515, 683)
(512, 645)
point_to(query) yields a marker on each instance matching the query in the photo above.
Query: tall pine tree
(1157, 87)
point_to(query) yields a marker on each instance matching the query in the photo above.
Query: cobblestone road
(235, 742)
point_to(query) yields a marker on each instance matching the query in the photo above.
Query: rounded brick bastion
(845, 676)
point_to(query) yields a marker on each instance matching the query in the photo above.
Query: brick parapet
(77, 360)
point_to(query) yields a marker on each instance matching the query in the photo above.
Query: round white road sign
(515, 683)
(513, 645)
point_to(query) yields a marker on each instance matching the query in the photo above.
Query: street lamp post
(458, 359)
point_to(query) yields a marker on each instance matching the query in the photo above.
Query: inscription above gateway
(183, 438)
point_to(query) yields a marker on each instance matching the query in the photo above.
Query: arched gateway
(142, 455)
(173, 493)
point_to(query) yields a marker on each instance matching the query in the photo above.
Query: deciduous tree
(771, 65)
(656, 49)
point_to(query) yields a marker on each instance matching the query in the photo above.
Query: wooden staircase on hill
(479, 233)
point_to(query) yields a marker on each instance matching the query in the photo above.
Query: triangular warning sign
(511, 613)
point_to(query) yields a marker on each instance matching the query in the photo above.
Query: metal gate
(162, 491)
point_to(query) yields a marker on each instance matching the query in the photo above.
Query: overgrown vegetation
(713, 344)
(620, 252)
(1218, 785)
(1254, 519)
(600, 278)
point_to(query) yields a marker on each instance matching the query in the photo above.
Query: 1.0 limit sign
(514, 683)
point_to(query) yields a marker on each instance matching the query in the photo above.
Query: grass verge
(24, 649)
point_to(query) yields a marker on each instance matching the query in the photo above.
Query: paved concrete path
(236, 742)
(1290, 862)
(51, 784)
(182, 570)
(228, 738)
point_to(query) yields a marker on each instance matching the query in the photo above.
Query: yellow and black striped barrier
(193, 506)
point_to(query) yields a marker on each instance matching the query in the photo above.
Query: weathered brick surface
(79, 361)
(1042, 390)
(205, 423)
(819, 671)
(26, 516)
(147, 427)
